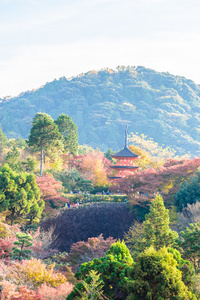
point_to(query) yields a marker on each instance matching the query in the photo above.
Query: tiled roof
(125, 152)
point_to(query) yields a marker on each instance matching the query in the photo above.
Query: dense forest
(70, 228)
(160, 105)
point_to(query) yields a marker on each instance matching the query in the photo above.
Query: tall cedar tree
(156, 231)
(44, 134)
(19, 194)
(69, 131)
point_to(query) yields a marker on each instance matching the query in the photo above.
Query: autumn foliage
(50, 191)
(94, 247)
(32, 279)
(166, 179)
(93, 166)
(49, 187)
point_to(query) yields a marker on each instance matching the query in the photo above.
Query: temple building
(125, 165)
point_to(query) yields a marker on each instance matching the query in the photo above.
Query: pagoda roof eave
(124, 167)
(124, 153)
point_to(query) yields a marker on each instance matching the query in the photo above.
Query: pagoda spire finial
(126, 136)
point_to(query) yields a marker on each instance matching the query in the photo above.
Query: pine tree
(24, 241)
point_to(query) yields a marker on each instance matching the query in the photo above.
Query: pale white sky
(43, 40)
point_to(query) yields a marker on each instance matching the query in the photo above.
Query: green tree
(113, 270)
(156, 230)
(189, 192)
(12, 159)
(185, 267)
(29, 165)
(190, 244)
(156, 276)
(72, 180)
(24, 241)
(44, 134)
(92, 288)
(134, 234)
(108, 154)
(19, 194)
(69, 131)
(3, 140)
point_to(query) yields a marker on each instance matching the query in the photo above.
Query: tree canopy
(69, 131)
(43, 135)
(189, 192)
(19, 194)
(156, 276)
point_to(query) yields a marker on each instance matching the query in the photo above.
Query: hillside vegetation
(73, 225)
(160, 105)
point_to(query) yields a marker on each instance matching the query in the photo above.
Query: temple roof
(123, 167)
(125, 152)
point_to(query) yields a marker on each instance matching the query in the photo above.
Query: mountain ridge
(163, 106)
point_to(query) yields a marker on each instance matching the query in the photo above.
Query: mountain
(163, 106)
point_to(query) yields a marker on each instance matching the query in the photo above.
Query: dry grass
(190, 214)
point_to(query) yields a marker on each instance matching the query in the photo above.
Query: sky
(43, 40)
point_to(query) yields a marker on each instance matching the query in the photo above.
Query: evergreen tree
(190, 244)
(156, 276)
(24, 241)
(3, 140)
(12, 159)
(156, 230)
(113, 270)
(93, 289)
(44, 134)
(69, 131)
(189, 192)
(108, 154)
(19, 194)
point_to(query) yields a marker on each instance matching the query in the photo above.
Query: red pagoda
(125, 165)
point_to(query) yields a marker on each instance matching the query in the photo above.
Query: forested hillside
(160, 105)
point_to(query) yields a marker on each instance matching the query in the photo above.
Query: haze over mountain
(163, 106)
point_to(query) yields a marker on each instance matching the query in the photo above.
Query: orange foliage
(7, 238)
(166, 180)
(58, 293)
(93, 166)
(50, 192)
(33, 273)
(8, 290)
(49, 187)
(32, 280)
(25, 294)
